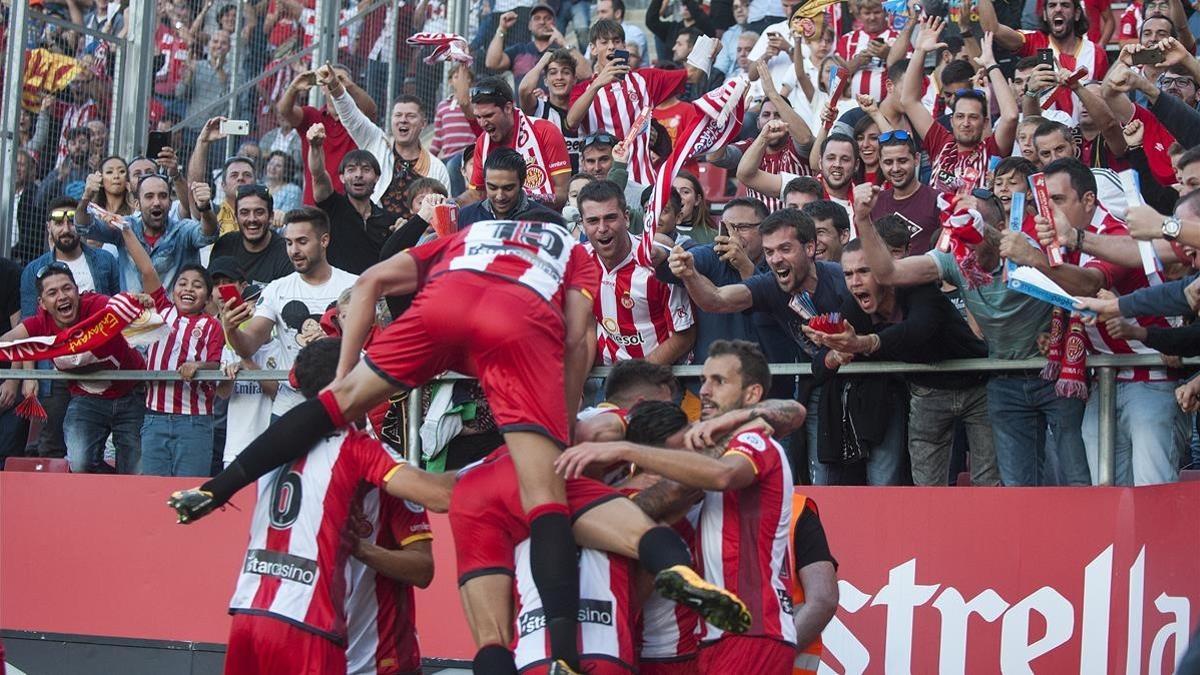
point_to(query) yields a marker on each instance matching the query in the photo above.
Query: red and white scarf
(122, 309)
(446, 47)
(538, 185)
(720, 122)
(1066, 360)
(962, 231)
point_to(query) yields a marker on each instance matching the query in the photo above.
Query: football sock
(494, 660)
(555, 567)
(661, 547)
(288, 439)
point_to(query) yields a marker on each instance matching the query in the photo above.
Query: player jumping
(510, 303)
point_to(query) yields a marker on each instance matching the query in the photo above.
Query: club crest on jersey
(535, 176)
(753, 440)
(197, 333)
(627, 301)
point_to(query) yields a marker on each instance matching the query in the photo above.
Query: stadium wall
(96, 577)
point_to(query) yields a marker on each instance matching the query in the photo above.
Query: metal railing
(1105, 369)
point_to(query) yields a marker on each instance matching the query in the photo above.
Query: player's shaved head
(316, 366)
(653, 422)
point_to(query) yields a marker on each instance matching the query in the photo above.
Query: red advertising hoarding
(954, 580)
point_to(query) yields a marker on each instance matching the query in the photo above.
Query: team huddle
(649, 545)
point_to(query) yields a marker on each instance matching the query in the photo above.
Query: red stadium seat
(1189, 474)
(37, 464)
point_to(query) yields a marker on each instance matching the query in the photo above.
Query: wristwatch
(1171, 228)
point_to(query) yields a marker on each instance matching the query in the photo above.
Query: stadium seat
(37, 464)
(1189, 474)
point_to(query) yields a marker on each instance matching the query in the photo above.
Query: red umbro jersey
(295, 566)
(743, 539)
(543, 257)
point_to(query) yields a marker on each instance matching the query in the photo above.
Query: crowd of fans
(850, 200)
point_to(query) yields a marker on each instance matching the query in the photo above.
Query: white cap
(702, 53)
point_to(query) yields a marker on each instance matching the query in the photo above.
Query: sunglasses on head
(59, 215)
(253, 189)
(898, 134)
(602, 138)
(484, 90)
(53, 268)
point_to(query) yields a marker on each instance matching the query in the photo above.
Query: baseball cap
(225, 266)
(543, 7)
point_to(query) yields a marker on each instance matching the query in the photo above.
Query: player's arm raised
(707, 295)
(732, 471)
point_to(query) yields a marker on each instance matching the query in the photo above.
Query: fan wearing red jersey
(616, 95)
(539, 141)
(289, 606)
(865, 50)
(1064, 31)
(746, 509)
(638, 316)
(960, 157)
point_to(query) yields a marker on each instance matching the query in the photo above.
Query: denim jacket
(179, 245)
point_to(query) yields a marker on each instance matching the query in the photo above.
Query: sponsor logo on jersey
(281, 565)
(785, 600)
(590, 611)
(614, 333)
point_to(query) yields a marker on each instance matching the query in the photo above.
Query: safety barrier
(1105, 369)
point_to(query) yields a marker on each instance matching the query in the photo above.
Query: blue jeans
(1021, 409)
(1151, 432)
(177, 445)
(13, 431)
(88, 424)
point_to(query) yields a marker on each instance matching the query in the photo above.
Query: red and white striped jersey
(295, 566)
(543, 257)
(1086, 55)
(607, 609)
(669, 629)
(381, 625)
(954, 169)
(617, 104)
(870, 79)
(193, 337)
(743, 539)
(787, 161)
(1122, 281)
(635, 312)
(76, 115)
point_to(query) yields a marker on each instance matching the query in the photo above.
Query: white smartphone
(235, 127)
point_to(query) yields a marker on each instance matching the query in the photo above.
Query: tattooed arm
(666, 501)
(782, 415)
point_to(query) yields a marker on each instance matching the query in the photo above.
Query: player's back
(294, 568)
(607, 609)
(543, 257)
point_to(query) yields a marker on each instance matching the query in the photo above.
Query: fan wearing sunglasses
(94, 269)
(960, 156)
